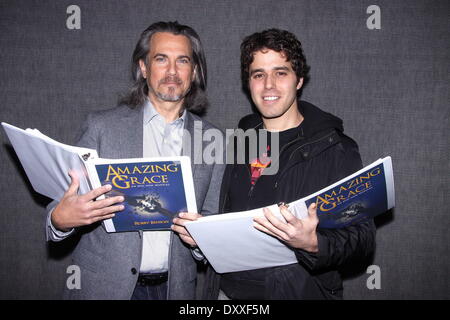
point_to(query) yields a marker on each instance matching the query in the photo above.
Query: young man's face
(169, 70)
(273, 84)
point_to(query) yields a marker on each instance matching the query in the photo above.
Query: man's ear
(143, 68)
(300, 83)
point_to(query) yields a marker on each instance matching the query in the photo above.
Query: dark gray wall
(390, 86)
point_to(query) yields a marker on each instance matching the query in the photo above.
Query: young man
(314, 152)
(169, 71)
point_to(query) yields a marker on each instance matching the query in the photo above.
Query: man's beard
(171, 96)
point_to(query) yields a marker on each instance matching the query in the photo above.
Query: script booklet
(231, 243)
(155, 189)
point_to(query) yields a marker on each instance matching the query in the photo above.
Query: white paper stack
(47, 162)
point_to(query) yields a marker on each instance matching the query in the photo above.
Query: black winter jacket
(320, 155)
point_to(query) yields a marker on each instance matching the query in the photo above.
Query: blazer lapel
(190, 148)
(131, 135)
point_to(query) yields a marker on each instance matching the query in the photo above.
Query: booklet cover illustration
(360, 197)
(154, 193)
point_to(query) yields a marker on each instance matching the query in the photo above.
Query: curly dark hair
(196, 100)
(276, 40)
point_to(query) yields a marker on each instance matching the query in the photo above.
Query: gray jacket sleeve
(53, 234)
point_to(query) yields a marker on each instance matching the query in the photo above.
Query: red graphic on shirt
(258, 165)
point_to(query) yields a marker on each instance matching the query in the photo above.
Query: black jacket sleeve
(338, 247)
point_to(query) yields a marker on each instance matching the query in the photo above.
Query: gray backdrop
(390, 86)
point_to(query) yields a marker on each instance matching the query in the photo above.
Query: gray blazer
(108, 262)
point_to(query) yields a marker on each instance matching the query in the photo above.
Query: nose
(269, 82)
(172, 68)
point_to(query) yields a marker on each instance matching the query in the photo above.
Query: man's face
(169, 70)
(273, 83)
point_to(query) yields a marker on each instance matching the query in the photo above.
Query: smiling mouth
(271, 98)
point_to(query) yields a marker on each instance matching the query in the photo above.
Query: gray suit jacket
(108, 261)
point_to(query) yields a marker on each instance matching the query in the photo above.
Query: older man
(169, 71)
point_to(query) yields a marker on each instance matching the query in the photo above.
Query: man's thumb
(312, 211)
(73, 188)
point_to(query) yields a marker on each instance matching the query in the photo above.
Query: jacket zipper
(301, 146)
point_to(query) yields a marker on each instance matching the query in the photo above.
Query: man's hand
(297, 233)
(178, 226)
(74, 210)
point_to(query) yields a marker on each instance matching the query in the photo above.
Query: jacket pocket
(86, 259)
(331, 283)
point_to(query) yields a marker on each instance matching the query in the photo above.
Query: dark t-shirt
(246, 193)
(250, 190)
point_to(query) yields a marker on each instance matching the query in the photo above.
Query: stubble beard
(171, 95)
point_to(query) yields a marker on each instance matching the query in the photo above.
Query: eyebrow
(166, 56)
(284, 68)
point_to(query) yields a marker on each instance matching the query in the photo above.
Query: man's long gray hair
(195, 100)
